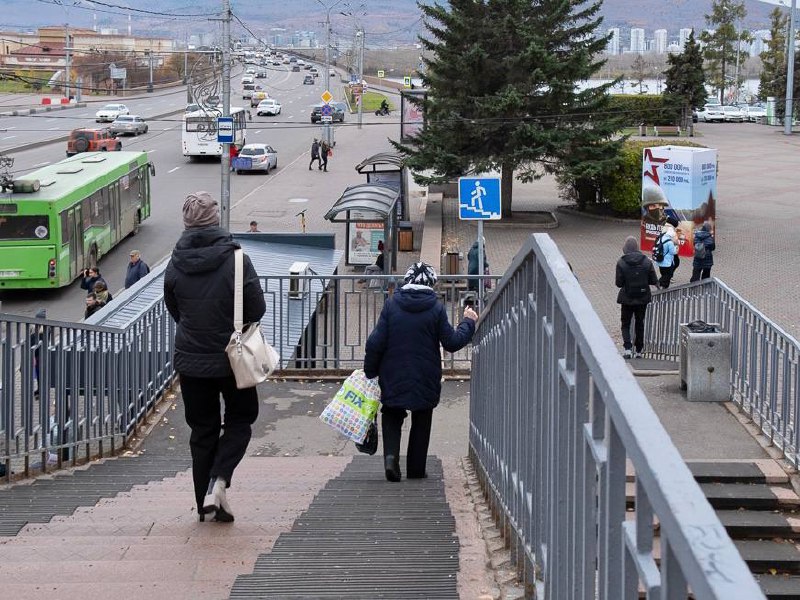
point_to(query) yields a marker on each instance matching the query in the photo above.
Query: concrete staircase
(760, 510)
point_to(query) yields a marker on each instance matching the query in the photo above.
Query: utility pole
(150, 83)
(327, 127)
(185, 67)
(787, 115)
(67, 66)
(225, 194)
(361, 77)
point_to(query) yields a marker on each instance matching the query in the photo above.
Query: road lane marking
(41, 164)
(173, 170)
(13, 127)
(10, 137)
(52, 128)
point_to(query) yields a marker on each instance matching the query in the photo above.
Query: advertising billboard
(679, 182)
(363, 237)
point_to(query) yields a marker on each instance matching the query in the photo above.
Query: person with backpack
(635, 275)
(704, 246)
(665, 252)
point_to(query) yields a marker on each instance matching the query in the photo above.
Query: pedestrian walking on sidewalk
(635, 275)
(704, 246)
(315, 154)
(404, 351)
(198, 292)
(667, 245)
(137, 269)
(325, 153)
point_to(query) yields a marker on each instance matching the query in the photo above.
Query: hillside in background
(394, 22)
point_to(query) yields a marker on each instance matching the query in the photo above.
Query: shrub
(648, 109)
(621, 189)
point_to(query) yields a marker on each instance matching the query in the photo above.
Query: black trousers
(324, 162)
(699, 273)
(315, 158)
(418, 440)
(629, 313)
(666, 276)
(215, 455)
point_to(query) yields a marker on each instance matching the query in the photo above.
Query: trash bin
(705, 362)
(405, 238)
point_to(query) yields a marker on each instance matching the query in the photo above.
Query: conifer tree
(773, 59)
(721, 41)
(502, 92)
(685, 81)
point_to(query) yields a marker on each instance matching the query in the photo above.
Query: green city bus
(62, 218)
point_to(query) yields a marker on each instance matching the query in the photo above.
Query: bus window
(66, 228)
(24, 227)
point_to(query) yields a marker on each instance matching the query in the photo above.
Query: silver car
(128, 125)
(256, 157)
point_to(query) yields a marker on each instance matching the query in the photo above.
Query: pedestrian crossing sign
(381, 73)
(479, 198)
(407, 82)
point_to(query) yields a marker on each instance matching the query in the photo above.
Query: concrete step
(759, 524)
(727, 496)
(769, 556)
(780, 587)
(759, 471)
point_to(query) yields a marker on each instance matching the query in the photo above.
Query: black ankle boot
(392, 466)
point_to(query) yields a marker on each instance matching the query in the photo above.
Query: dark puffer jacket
(625, 266)
(403, 349)
(704, 235)
(198, 291)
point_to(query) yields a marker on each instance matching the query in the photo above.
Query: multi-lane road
(290, 133)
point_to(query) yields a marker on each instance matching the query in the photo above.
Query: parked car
(92, 140)
(256, 157)
(710, 113)
(261, 74)
(308, 80)
(258, 97)
(316, 113)
(733, 114)
(754, 112)
(128, 124)
(109, 112)
(269, 106)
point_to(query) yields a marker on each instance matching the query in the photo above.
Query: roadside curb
(64, 138)
(569, 210)
(41, 109)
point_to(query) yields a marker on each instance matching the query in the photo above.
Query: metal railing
(555, 414)
(73, 391)
(765, 360)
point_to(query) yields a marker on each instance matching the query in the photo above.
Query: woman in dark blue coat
(403, 350)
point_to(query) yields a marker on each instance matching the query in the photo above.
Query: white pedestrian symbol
(476, 197)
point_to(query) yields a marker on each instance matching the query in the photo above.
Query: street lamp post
(327, 127)
(361, 35)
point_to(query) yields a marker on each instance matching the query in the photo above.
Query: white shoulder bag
(252, 359)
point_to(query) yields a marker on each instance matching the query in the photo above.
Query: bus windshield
(24, 227)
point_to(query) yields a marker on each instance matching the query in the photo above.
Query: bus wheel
(93, 256)
(137, 221)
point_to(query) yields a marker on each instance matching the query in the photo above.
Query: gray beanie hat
(200, 210)
(630, 245)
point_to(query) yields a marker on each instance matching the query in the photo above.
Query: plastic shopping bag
(353, 409)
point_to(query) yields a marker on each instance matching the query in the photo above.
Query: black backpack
(658, 249)
(637, 280)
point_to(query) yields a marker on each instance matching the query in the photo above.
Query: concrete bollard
(46, 100)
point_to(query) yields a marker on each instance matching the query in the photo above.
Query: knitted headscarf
(630, 245)
(421, 274)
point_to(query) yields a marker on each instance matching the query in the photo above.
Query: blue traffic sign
(326, 110)
(225, 130)
(479, 198)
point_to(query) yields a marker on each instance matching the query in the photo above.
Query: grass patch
(10, 86)
(372, 101)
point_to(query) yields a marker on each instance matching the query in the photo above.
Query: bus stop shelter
(387, 168)
(365, 207)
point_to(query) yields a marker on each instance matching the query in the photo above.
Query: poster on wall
(678, 182)
(412, 119)
(363, 238)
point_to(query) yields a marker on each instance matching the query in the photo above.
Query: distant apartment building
(683, 37)
(660, 41)
(613, 42)
(760, 40)
(637, 40)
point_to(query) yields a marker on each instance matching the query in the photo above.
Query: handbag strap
(238, 292)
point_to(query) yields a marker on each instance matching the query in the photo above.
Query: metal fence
(765, 360)
(554, 415)
(73, 391)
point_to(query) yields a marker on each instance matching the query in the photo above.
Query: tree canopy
(773, 58)
(502, 92)
(721, 41)
(685, 81)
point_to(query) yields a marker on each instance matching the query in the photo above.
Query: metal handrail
(765, 359)
(554, 415)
